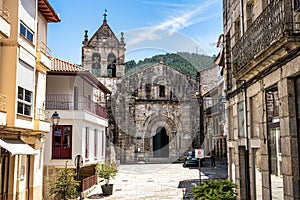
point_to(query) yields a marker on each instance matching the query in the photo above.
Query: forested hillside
(188, 63)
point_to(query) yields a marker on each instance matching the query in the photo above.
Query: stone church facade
(153, 114)
(156, 115)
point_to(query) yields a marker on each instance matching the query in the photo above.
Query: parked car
(190, 159)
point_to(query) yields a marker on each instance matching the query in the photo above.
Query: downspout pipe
(242, 16)
(247, 165)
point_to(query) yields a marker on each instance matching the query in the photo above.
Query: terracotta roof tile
(47, 10)
(64, 66)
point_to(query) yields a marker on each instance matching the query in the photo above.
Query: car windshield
(191, 154)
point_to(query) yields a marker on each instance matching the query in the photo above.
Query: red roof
(64, 66)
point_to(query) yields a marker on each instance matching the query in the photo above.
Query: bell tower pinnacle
(105, 15)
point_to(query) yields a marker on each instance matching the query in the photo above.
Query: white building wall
(59, 85)
(40, 90)
(42, 27)
(79, 121)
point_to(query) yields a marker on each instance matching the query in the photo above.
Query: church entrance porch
(161, 143)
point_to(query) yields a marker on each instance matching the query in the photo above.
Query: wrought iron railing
(68, 102)
(4, 12)
(267, 28)
(41, 114)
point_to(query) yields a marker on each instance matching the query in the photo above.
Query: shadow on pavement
(213, 173)
(96, 196)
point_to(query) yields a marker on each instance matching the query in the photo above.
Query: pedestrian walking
(213, 159)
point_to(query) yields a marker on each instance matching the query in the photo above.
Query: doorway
(160, 143)
(4, 174)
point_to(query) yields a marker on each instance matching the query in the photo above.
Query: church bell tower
(103, 54)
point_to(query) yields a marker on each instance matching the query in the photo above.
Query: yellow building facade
(24, 61)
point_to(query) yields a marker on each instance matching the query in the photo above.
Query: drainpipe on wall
(247, 171)
(18, 160)
(242, 16)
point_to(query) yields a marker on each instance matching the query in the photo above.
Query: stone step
(159, 160)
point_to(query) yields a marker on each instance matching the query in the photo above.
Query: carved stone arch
(111, 65)
(111, 58)
(162, 80)
(172, 126)
(166, 129)
(96, 64)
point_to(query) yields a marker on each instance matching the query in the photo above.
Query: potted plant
(106, 171)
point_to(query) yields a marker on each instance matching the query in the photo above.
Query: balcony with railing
(269, 38)
(4, 22)
(43, 60)
(68, 102)
(41, 120)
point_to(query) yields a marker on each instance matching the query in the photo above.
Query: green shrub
(64, 187)
(215, 190)
(106, 172)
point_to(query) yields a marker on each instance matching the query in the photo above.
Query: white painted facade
(80, 120)
(77, 98)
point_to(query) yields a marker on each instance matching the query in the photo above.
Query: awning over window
(17, 147)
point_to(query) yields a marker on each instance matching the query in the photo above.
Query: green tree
(187, 63)
(64, 187)
(215, 190)
(106, 171)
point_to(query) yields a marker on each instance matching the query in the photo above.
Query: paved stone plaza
(149, 181)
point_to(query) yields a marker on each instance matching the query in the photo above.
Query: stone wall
(157, 97)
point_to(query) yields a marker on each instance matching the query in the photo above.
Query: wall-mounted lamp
(55, 118)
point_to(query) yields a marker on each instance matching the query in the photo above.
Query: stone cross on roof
(105, 15)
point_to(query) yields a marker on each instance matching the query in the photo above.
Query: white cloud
(185, 16)
(177, 18)
(166, 4)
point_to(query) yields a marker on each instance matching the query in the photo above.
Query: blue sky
(150, 27)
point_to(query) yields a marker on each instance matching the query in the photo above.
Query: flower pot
(107, 189)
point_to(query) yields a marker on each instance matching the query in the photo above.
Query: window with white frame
(103, 143)
(87, 130)
(96, 142)
(24, 101)
(26, 32)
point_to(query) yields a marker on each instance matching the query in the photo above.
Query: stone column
(289, 140)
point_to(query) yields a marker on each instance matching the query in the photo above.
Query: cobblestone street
(149, 181)
(153, 181)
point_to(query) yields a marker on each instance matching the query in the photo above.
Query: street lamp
(55, 118)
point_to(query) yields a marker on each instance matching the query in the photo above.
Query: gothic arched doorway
(160, 143)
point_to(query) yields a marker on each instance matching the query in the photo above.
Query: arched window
(96, 66)
(111, 65)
